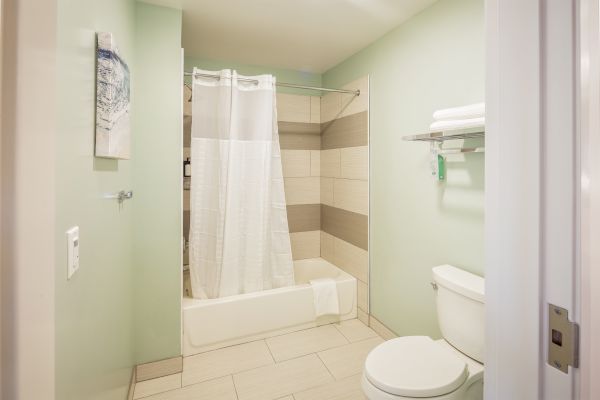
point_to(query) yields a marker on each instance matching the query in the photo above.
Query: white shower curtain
(239, 236)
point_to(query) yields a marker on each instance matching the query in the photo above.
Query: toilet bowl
(417, 367)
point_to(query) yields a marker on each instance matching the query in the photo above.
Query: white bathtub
(215, 323)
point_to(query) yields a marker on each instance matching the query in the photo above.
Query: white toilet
(417, 367)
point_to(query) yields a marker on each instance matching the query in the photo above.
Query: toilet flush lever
(434, 285)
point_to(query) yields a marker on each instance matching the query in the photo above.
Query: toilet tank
(460, 308)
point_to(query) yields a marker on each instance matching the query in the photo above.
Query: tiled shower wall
(326, 172)
(345, 185)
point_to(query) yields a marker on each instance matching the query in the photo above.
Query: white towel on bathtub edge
(325, 297)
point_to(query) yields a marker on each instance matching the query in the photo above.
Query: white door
(532, 193)
(559, 187)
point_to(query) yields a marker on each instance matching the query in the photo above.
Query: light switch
(72, 251)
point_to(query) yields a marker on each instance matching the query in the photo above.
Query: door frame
(590, 197)
(542, 141)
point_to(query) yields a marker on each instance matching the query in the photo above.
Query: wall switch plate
(72, 251)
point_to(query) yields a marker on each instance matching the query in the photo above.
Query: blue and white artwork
(113, 128)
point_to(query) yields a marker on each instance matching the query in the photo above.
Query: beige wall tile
(354, 162)
(363, 295)
(295, 163)
(293, 107)
(327, 249)
(157, 385)
(351, 195)
(306, 244)
(350, 131)
(355, 331)
(229, 360)
(305, 342)
(355, 104)
(315, 163)
(344, 389)
(282, 379)
(302, 190)
(304, 217)
(159, 368)
(330, 163)
(315, 109)
(327, 191)
(362, 316)
(346, 225)
(217, 389)
(331, 106)
(381, 329)
(351, 259)
(348, 360)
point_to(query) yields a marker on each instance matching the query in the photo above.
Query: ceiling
(305, 35)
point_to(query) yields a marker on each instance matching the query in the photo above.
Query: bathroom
(309, 203)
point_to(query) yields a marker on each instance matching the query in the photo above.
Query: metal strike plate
(563, 339)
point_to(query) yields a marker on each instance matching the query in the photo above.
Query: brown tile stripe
(349, 131)
(297, 141)
(186, 223)
(304, 217)
(299, 136)
(346, 225)
(303, 128)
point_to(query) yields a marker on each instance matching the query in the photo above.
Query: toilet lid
(415, 366)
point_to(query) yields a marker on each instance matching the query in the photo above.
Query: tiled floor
(323, 363)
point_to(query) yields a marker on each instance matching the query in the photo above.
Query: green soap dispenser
(441, 167)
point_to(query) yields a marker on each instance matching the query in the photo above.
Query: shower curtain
(239, 236)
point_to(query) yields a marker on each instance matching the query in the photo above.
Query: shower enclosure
(319, 249)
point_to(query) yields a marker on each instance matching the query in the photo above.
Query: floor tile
(354, 330)
(350, 359)
(226, 361)
(156, 385)
(304, 342)
(216, 389)
(344, 389)
(281, 379)
(287, 398)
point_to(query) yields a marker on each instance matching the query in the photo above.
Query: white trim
(28, 202)
(590, 198)
(512, 200)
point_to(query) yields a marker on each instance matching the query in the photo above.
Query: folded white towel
(325, 296)
(464, 112)
(439, 126)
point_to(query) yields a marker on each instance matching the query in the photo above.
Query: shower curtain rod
(284, 84)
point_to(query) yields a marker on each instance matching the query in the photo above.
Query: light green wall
(434, 60)
(282, 74)
(94, 325)
(157, 183)
(106, 316)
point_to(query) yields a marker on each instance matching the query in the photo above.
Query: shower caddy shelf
(437, 153)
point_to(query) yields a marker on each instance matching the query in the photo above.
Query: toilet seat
(415, 366)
